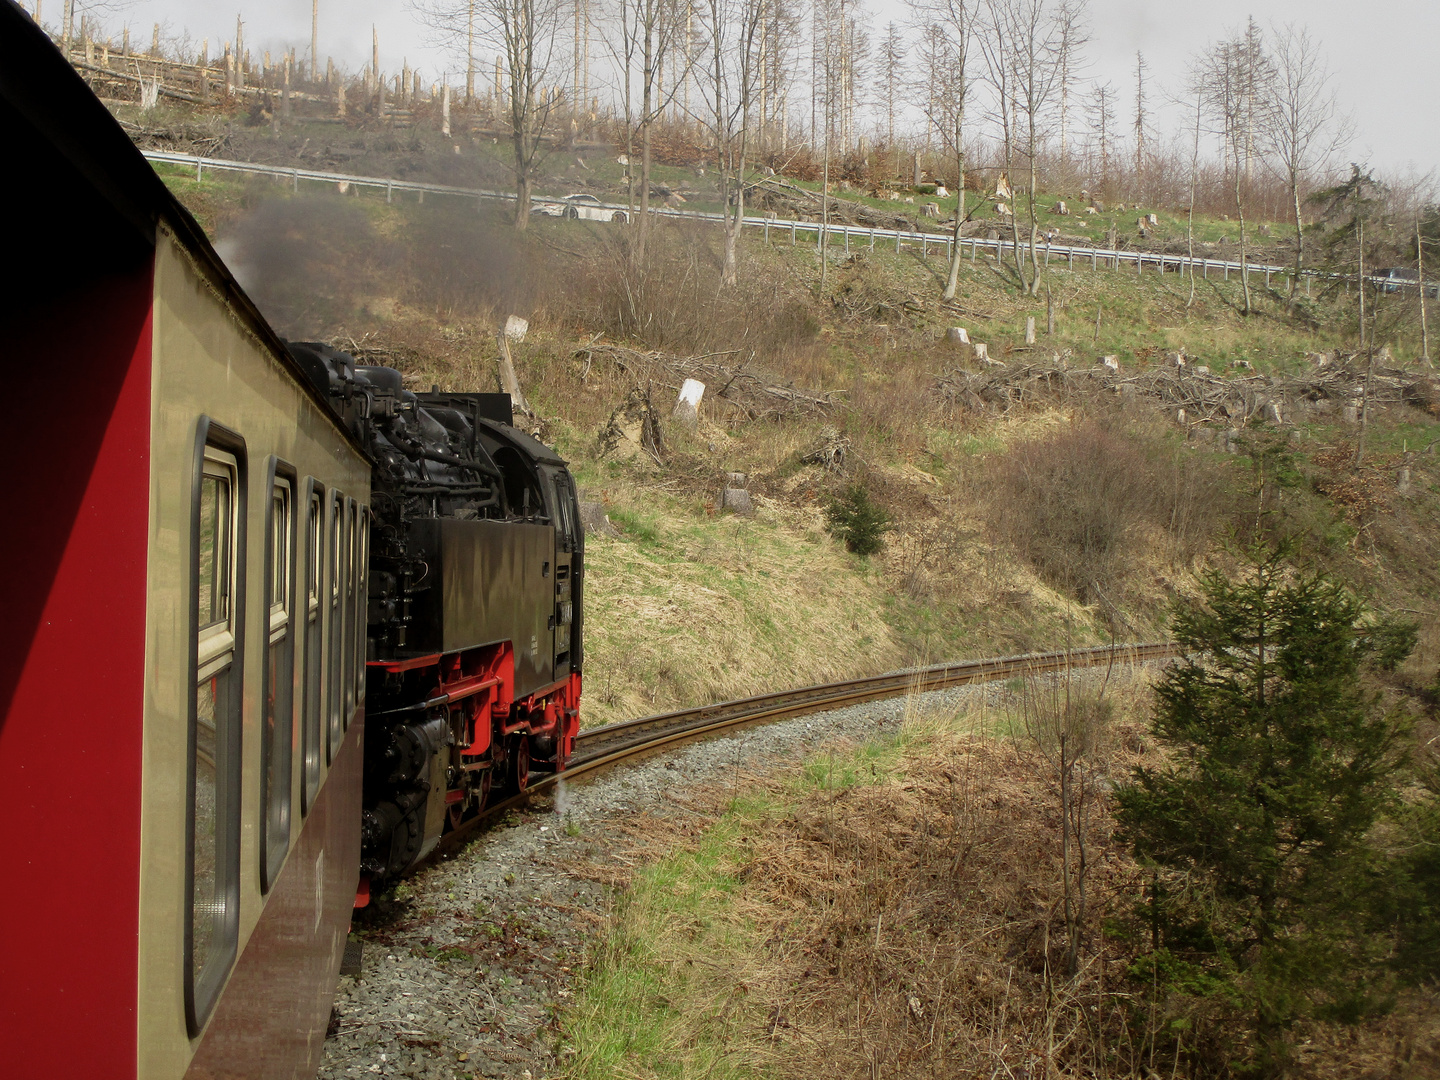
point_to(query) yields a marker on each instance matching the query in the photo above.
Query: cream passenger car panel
(206, 361)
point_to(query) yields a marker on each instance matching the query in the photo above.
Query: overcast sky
(1383, 53)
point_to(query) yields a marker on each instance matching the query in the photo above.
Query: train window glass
(214, 598)
(311, 717)
(337, 627)
(564, 509)
(213, 822)
(279, 680)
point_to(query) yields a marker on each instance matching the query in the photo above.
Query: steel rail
(1097, 257)
(608, 745)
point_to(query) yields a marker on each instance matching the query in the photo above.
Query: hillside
(1036, 499)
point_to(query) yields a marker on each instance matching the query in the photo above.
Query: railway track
(602, 746)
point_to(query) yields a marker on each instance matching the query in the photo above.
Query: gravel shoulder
(467, 965)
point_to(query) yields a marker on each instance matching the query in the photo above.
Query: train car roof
(79, 198)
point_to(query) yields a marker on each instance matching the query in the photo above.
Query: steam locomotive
(476, 563)
(271, 623)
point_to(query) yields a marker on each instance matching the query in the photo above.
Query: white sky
(1383, 53)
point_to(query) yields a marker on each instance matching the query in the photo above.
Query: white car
(581, 206)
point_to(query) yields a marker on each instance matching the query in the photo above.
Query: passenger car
(274, 622)
(584, 206)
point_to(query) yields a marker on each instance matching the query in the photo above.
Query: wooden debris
(1204, 398)
(747, 391)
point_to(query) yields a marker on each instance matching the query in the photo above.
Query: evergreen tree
(1256, 828)
(853, 518)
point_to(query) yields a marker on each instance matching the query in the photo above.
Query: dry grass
(686, 608)
(895, 910)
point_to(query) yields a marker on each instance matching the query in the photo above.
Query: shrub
(853, 518)
(1082, 504)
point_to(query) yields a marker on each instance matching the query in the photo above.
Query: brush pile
(1194, 392)
(746, 394)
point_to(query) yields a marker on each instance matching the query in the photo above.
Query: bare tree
(784, 39)
(525, 34)
(1237, 76)
(1102, 126)
(841, 51)
(1197, 93)
(1074, 33)
(889, 80)
(1141, 115)
(733, 74)
(1305, 124)
(1420, 242)
(947, 29)
(660, 28)
(580, 65)
(621, 41)
(1022, 49)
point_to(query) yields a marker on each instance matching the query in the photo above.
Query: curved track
(598, 747)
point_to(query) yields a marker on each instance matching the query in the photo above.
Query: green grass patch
(646, 1006)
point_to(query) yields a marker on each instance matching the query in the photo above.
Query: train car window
(337, 626)
(212, 849)
(522, 494)
(348, 658)
(311, 717)
(279, 689)
(565, 511)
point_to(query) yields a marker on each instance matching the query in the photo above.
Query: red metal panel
(270, 1022)
(72, 652)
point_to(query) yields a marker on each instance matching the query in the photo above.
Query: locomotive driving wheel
(519, 762)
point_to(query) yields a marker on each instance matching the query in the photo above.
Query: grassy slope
(686, 606)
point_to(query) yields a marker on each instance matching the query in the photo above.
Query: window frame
(350, 590)
(280, 475)
(334, 597)
(312, 674)
(213, 444)
(362, 599)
